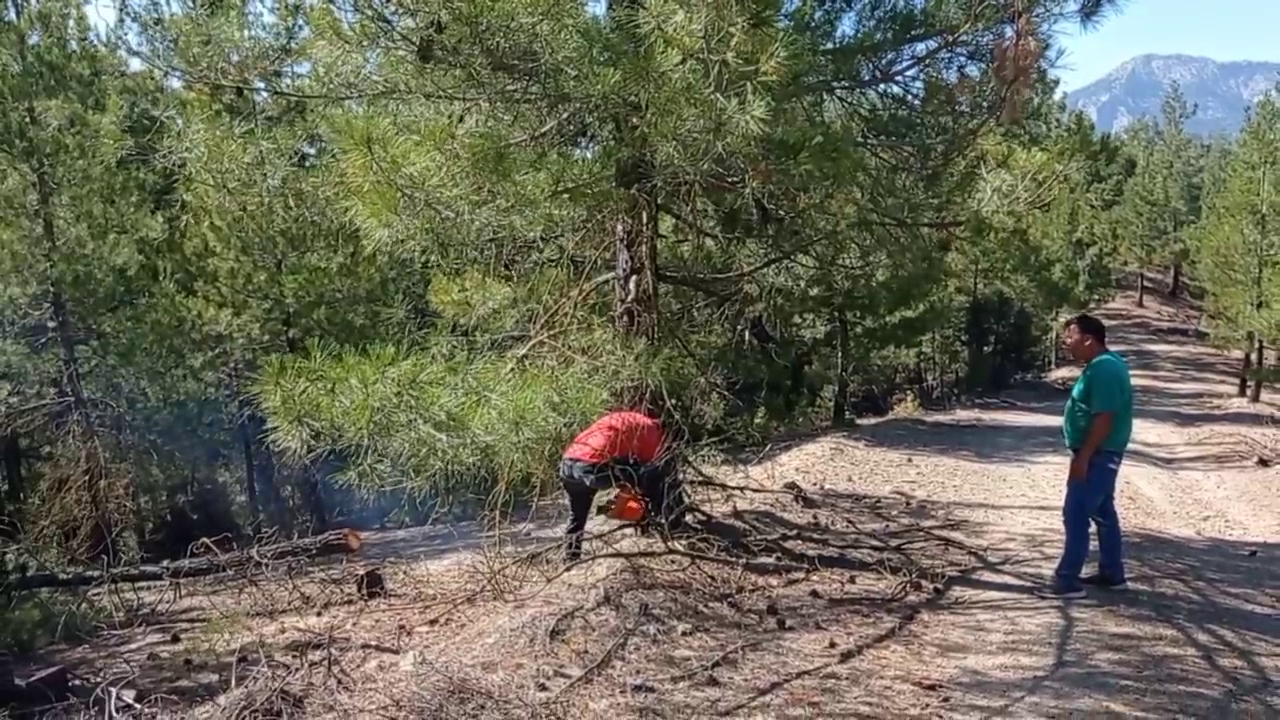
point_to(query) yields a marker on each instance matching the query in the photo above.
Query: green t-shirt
(1103, 387)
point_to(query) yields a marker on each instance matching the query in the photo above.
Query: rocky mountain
(1221, 91)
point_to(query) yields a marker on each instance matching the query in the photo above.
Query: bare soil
(882, 572)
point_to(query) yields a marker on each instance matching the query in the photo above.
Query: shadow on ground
(1198, 634)
(1202, 620)
(1178, 382)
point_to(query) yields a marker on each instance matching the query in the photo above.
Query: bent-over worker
(620, 448)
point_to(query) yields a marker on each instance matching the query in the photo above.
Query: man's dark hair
(1091, 326)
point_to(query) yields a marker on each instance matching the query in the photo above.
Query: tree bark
(254, 559)
(840, 403)
(15, 486)
(1259, 358)
(247, 447)
(1175, 280)
(1246, 364)
(1142, 288)
(310, 479)
(636, 228)
(635, 253)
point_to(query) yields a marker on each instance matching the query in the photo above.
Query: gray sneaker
(1101, 581)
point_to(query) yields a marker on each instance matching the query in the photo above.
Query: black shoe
(1059, 592)
(572, 552)
(1099, 580)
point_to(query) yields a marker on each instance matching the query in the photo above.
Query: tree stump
(371, 585)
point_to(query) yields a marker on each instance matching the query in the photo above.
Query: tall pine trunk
(98, 531)
(635, 231)
(1258, 279)
(840, 403)
(15, 485)
(268, 481)
(1259, 357)
(1246, 364)
(250, 466)
(313, 496)
(1142, 288)
(1175, 279)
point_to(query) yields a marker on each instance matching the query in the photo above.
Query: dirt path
(1199, 633)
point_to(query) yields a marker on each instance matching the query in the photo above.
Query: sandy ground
(1199, 633)
(940, 527)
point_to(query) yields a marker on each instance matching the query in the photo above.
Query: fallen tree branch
(554, 630)
(594, 667)
(899, 624)
(709, 665)
(334, 542)
(737, 488)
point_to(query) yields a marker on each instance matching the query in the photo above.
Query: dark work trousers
(582, 480)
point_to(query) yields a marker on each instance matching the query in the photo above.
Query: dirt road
(1199, 632)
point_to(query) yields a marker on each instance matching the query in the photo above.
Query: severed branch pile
(774, 584)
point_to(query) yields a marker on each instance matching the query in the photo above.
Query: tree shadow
(863, 568)
(997, 439)
(1198, 635)
(1178, 382)
(1027, 426)
(164, 688)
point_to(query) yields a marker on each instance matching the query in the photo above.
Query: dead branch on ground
(336, 542)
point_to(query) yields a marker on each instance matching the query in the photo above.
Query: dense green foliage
(1238, 254)
(278, 264)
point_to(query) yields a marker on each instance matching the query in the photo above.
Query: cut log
(259, 557)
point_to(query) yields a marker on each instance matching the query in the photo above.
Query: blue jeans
(1092, 498)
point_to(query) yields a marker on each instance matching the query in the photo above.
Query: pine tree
(1162, 199)
(1239, 247)
(1179, 173)
(1139, 214)
(415, 246)
(74, 224)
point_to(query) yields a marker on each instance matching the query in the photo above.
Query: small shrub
(32, 620)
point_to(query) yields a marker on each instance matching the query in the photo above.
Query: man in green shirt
(1096, 425)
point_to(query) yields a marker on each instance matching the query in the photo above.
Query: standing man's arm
(1098, 430)
(1106, 395)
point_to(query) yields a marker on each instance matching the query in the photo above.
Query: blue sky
(1219, 29)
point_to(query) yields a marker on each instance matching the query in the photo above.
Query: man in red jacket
(620, 448)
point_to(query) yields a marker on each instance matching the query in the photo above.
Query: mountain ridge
(1220, 90)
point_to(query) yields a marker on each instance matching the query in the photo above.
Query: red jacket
(618, 435)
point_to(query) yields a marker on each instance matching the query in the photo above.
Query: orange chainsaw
(625, 505)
